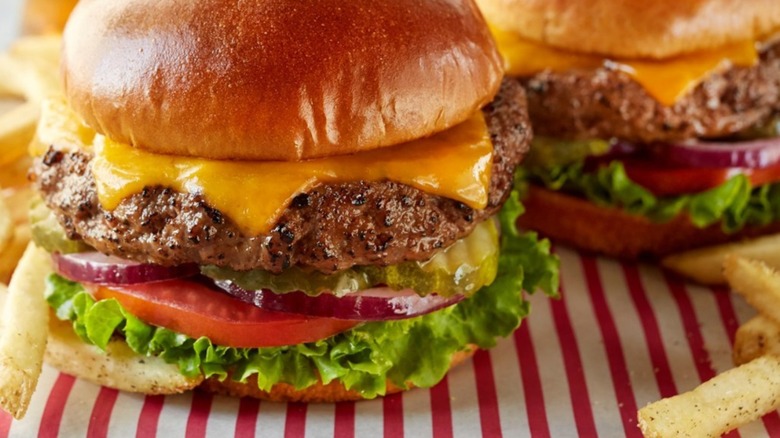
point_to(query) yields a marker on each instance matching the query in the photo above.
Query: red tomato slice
(197, 310)
(666, 181)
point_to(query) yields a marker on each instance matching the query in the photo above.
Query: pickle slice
(463, 268)
(48, 234)
(551, 152)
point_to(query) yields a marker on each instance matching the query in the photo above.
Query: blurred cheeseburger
(296, 203)
(657, 123)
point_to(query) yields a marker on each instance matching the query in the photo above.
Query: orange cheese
(454, 164)
(666, 80)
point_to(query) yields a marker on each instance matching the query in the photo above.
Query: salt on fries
(24, 326)
(705, 265)
(747, 392)
(723, 403)
(755, 338)
(758, 283)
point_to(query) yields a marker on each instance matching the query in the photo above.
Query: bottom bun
(610, 231)
(117, 367)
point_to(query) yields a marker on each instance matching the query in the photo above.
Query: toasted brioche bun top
(276, 79)
(635, 29)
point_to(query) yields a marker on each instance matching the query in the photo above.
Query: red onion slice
(754, 154)
(97, 268)
(375, 304)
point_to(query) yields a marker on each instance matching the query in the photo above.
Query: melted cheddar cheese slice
(666, 80)
(454, 164)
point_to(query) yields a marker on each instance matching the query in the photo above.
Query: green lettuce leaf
(735, 203)
(416, 351)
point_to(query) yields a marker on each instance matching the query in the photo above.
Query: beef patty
(605, 103)
(330, 228)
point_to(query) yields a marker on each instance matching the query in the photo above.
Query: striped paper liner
(624, 336)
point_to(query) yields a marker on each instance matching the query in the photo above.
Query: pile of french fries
(752, 389)
(29, 73)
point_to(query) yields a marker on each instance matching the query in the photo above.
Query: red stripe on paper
(55, 406)
(772, 423)
(295, 422)
(489, 419)
(615, 358)
(726, 310)
(101, 412)
(701, 357)
(652, 332)
(199, 415)
(246, 423)
(730, 321)
(575, 374)
(532, 382)
(441, 410)
(691, 326)
(344, 423)
(393, 413)
(5, 423)
(150, 416)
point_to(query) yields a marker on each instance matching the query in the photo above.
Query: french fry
(15, 174)
(705, 265)
(11, 85)
(755, 338)
(10, 256)
(46, 16)
(3, 294)
(6, 226)
(757, 283)
(30, 69)
(18, 202)
(725, 402)
(17, 128)
(23, 331)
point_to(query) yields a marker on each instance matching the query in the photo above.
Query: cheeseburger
(285, 201)
(657, 123)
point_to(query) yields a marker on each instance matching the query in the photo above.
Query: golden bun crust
(635, 29)
(318, 393)
(613, 232)
(273, 79)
